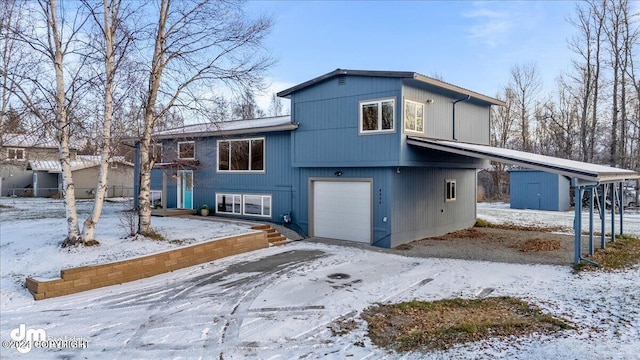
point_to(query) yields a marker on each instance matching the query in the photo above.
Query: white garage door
(342, 210)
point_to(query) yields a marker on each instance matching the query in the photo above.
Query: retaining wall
(92, 277)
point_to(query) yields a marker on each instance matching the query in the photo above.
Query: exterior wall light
(338, 173)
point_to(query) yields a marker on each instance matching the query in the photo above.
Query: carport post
(614, 197)
(591, 220)
(603, 209)
(577, 224)
(621, 206)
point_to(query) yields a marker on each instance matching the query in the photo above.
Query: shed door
(342, 210)
(533, 196)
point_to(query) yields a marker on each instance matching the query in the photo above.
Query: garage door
(342, 210)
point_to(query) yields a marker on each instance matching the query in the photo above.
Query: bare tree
(53, 41)
(12, 54)
(197, 45)
(276, 108)
(245, 106)
(526, 85)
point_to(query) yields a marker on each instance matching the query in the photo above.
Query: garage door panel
(342, 210)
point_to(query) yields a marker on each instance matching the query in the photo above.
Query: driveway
(303, 300)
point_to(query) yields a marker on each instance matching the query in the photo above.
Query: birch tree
(197, 45)
(525, 85)
(49, 89)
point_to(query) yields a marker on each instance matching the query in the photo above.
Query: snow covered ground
(280, 302)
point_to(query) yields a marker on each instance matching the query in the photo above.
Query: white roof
(570, 168)
(236, 126)
(31, 141)
(81, 162)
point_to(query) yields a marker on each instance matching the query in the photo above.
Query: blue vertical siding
(328, 117)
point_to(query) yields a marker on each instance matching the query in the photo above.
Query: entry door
(185, 189)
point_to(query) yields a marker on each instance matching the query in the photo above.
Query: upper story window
(15, 154)
(413, 116)
(156, 153)
(246, 155)
(377, 116)
(187, 150)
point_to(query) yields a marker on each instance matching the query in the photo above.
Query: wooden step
(276, 239)
(261, 227)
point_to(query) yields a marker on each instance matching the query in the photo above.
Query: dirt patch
(534, 245)
(540, 245)
(343, 327)
(439, 325)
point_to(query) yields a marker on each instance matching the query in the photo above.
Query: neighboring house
(344, 165)
(16, 151)
(539, 190)
(47, 177)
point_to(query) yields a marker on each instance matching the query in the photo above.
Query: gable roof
(394, 74)
(31, 141)
(277, 123)
(81, 162)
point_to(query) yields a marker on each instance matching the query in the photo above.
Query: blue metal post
(603, 209)
(614, 197)
(591, 220)
(621, 206)
(577, 225)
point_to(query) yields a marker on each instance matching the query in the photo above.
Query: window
(114, 165)
(156, 153)
(450, 190)
(377, 116)
(413, 116)
(187, 150)
(228, 203)
(244, 155)
(15, 154)
(239, 204)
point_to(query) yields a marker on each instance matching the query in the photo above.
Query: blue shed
(539, 190)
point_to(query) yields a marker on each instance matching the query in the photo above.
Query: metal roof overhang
(570, 168)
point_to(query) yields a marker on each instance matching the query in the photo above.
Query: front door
(185, 189)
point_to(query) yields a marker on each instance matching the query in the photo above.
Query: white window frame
(379, 129)
(233, 204)
(154, 149)
(15, 154)
(243, 204)
(450, 190)
(113, 165)
(264, 156)
(404, 116)
(186, 142)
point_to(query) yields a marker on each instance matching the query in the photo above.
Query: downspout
(454, 114)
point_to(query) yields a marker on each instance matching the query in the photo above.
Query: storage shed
(539, 190)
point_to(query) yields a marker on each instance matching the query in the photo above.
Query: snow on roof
(570, 168)
(237, 126)
(81, 162)
(31, 141)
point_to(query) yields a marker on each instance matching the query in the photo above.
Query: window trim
(194, 150)
(379, 102)
(113, 165)
(15, 152)
(249, 171)
(450, 190)
(242, 207)
(154, 146)
(404, 115)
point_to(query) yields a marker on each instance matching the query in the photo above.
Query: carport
(584, 177)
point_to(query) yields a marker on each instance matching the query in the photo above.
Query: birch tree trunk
(109, 29)
(62, 129)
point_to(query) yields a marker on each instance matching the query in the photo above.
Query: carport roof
(570, 168)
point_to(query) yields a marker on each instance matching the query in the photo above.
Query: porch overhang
(182, 164)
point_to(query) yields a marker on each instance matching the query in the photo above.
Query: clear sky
(471, 44)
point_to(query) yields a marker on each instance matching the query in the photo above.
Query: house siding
(328, 117)
(538, 190)
(419, 208)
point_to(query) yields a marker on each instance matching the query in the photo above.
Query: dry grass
(418, 325)
(471, 233)
(154, 235)
(538, 244)
(621, 254)
(486, 224)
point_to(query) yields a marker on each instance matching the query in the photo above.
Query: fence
(81, 193)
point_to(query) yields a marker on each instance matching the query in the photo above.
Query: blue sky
(467, 43)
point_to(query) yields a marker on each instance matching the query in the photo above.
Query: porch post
(163, 199)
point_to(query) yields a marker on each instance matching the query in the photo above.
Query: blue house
(539, 190)
(352, 162)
